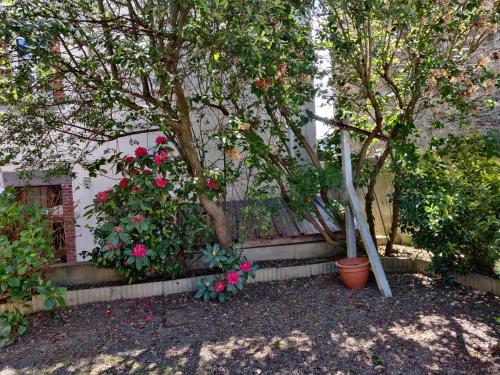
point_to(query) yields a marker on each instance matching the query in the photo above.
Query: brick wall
(69, 222)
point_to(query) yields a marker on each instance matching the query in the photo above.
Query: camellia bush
(25, 255)
(450, 204)
(149, 223)
(234, 273)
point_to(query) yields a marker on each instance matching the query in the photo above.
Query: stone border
(472, 280)
(165, 288)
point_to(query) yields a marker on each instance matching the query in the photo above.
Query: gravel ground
(306, 326)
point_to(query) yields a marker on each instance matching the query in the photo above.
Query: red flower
(152, 271)
(136, 189)
(161, 183)
(118, 229)
(129, 159)
(220, 286)
(120, 244)
(123, 182)
(141, 151)
(139, 250)
(232, 277)
(103, 196)
(245, 266)
(110, 246)
(160, 158)
(160, 139)
(147, 171)
(213, 185)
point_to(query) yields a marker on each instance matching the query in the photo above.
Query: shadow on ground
(307, 326)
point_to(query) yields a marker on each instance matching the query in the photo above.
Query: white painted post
(350, 232)
(371, 250)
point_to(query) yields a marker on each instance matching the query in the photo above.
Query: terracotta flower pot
(354, 272)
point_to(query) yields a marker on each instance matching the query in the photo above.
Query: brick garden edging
(159, 288)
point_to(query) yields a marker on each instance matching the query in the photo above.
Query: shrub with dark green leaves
(149, 223)
(451, 204)
(25, 255)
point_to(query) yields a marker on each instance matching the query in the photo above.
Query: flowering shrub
(147, 224)
(25, 256)
(235, 271)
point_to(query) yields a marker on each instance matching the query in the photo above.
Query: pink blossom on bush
(139, 250)
(213, 185)
(110, 246)
(147, 171)
(118, 229)
(123, 182)
(129, 159)
(137, 218)
(233, 277)
(141, 151)
(245, 266)
(161, 183)
(160, 139)
(160, 158)
(220, 286)
(103, 196)
(136, 189)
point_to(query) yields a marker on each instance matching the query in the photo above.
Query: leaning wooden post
(355, 207)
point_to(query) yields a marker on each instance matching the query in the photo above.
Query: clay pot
(354, 272)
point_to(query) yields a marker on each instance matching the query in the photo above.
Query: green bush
(450, 204)
(149, 223)
(25, 255)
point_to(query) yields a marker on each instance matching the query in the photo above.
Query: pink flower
(103, 196)
(245, 266)
(147, 171)
(129, 159)
(139, 250)
(232, 277)
(220, 286)
(213, 185)
(136, 189)
(161, 183)
(160, 139)
(160, 158)
(148, 318)
(110, 246)
(141, 151)
(137, 218)
(123, 182)
(152, 271)
(118, 229)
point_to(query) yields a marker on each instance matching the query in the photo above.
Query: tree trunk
(190, 153)
(389, 247)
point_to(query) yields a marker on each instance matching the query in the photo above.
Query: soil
(303, 326)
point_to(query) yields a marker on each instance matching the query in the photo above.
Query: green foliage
(25, 255)
(12, 324)
(149, 223)
(235, 271)
(450, 205)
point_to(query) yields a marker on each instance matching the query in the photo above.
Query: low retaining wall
(84, 273)
(402, 265)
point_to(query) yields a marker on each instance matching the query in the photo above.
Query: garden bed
(312, 325)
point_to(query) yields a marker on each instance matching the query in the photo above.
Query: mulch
(304, 326)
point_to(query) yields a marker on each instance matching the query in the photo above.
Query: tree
(392, 61)
(120, 68)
